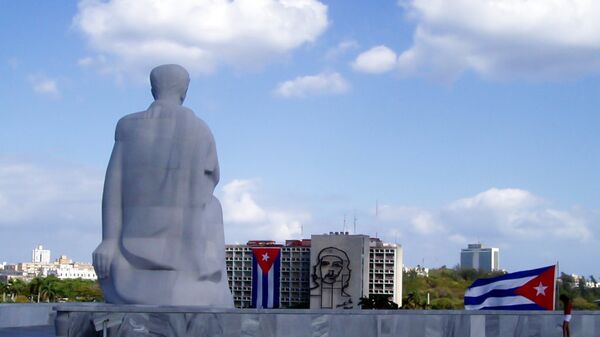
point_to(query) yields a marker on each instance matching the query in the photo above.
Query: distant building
(72, 270)
(63, 268)
(40, 255)
(475, 256)
(420, 271)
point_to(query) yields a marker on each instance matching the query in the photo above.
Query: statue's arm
(213, 162)
(112, 213)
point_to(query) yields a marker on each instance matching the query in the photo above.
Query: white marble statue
(162, 228)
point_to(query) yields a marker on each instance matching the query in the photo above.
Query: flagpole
(556, 288)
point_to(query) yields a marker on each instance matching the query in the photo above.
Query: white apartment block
(385, 270)
(238, 259)
(295, 273)
(40, 255)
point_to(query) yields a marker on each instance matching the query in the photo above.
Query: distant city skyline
(463, 121)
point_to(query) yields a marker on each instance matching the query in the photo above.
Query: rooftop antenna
(376, 216)
(355, 221)
(344, 229)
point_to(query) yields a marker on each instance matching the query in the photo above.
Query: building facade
(339, 270)
(294, 273)
(385, 269)
(379, 267)
(40, 255)
(475, 256)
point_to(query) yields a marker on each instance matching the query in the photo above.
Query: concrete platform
(199, 322)
(30, 331)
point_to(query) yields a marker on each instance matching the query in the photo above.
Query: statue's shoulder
(127, 122)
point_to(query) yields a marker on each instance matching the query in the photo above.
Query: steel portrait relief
(330, 278)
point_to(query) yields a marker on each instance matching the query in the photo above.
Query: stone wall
(26, 314)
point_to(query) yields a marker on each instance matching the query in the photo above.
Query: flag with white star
(523, 290)
(265, 277)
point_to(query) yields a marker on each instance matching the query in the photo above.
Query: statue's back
(167, 168)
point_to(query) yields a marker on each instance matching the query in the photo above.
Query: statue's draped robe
(159, 186)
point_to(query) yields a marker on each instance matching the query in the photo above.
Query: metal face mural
(331, 277)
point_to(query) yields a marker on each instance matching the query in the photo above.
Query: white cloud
(321, 84)
(421, 221)
(504, 39)
(246, 219)
(496, 214)
(377, 60)
(528, 230)
(199, 34)
(44, 85)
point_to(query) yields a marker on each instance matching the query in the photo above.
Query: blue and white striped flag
(265, 277)
(523, 290)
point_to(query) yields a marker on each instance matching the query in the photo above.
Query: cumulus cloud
(245, 218)
(503, 39)
(44, 85)
(495, 213)
(527, 229)
(199, 34)
(321, 84)
(51, 204)
(377, 60)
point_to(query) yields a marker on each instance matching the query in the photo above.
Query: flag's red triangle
(540, 289)
(265, 257)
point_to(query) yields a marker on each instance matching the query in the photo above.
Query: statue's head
(169, 82)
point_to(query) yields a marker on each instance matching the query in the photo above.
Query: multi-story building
(475, 256)
(385, 270)
(40, 255)
(294, 273)
(384, 274)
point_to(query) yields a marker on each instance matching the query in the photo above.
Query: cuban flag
(523, 290)
(265, 277)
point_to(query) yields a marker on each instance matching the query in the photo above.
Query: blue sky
(472, 122)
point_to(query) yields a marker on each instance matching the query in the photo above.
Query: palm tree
(17, 287)
(48, 289)
(4, 289)
(35, 287)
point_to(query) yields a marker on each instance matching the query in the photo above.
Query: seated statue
(162, 228)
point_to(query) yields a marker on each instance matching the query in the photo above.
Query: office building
(484, 259)
(385, 269)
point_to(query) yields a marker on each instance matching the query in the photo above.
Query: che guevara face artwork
(333, 266)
